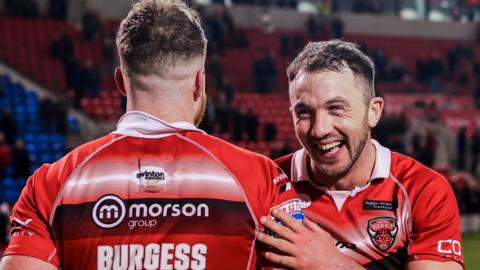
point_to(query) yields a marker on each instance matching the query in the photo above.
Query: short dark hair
(158, 33)
(335, 55)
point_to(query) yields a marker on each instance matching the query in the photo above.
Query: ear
(199, 84)
(119, 79)
(375, 111)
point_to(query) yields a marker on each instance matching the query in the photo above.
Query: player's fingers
(311, 225)
(278, 243)
(282, 260)
(281, 230)
(307, 221)
(287, 220)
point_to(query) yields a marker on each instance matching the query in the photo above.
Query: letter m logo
(108, 211)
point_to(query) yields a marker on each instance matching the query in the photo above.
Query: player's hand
(303, 246)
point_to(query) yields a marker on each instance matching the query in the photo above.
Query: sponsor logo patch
(380, 205)
(305, 200)
(292, 208)
(151, 178)
(110, 211)
(382, 232)
(281, 179)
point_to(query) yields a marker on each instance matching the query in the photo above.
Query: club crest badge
(382, 232)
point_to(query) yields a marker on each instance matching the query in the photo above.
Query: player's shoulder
(60, 169)
(223, 148)
(416, 177)
(285, 162)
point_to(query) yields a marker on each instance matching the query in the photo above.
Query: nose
(322, 126)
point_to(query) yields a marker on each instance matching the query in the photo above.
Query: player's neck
(358, 175)
(169, 110)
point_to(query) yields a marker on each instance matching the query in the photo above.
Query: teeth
(329, 146)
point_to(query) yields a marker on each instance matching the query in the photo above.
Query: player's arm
(435, 238)
(17, 262)
(433, 265)
(303, 245)
(31, 240)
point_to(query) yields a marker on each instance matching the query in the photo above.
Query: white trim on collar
(381, 168)
(141, 124)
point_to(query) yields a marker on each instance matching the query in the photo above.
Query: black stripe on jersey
(152, 217)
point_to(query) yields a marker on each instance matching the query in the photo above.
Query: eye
(336, 108)
(303, 114)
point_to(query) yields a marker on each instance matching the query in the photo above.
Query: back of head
(158, 34)
(335, 55)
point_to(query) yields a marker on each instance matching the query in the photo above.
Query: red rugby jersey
(405, 212)
(151, 195)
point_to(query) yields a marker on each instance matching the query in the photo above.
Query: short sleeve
(31, 235)
(436, 231)
(283, 193)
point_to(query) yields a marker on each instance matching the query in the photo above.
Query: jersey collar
(141, 124)
(381, 168)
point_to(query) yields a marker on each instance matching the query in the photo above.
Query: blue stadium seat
(32, 148)
(8, 182)
(9, 170)
(73, 124)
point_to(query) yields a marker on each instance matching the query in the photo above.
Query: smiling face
(331, 119)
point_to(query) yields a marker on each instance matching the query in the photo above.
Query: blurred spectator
(461, 148)
(251, 123)
(377, 6)
(228, 89)
(435, 71)
(239, 123)
(54, 114)
(71, 67)
(475, 151)
(265, 73)
(4, 225)
(358, 6)
(390, 131)
(462, 193)
(58, 9)
(476, 93)
(421, 68)
(297, 42)
(337, 25)
(280, 149)
(215, 70)
(270, 133)
(223, 113)
(109, 56)
(91, 25)
(5, 155)
(90, 80)
(214, 33)
(228, 25)
(396, 70)
(20, 162)
(8, 126)
(22, 8)
(284, 45)
(266, 20)
(241, 40)
(380, 59)
(2, 90)
(62, 48)
(312, 28)
(325, 7)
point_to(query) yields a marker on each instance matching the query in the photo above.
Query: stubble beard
(353, 153)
